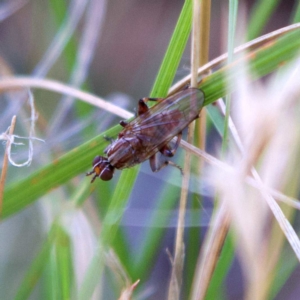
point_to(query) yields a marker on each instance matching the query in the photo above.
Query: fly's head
(102, 169)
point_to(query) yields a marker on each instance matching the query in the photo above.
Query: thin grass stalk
(267, 271)
(126, 285)
(128, 291)
(5, 161)
(205, 16)
(233, 7)
(278, 214)
(279, 196)
(267, 141)
(59, 87)
(284, 224)
(200, 138)
(177, 264)
(215, 238)
(272, 249)
(210, 252)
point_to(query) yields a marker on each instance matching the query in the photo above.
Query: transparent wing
(169, 117)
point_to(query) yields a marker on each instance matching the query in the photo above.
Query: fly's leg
(157, 165)
(123, 123)
(168, 150)
(108, 139)
(143, 107)
(91, 173)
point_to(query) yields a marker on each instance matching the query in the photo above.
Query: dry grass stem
(210, 252)
(205, 16)
(258, 274)
(221, 166)
(52, 85)
(121, 275)
(204, 24)
(270, 145)
(127, 292)
(177, 266)
(5, 161)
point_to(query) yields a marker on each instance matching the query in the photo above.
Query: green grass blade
(37, 267)
(296, 17)
(193, 245)
(34, 273)
(260, 15)
(233, 8)
(60, 12)
(64, 261)
(154, 234)
(127, 178)
(174, 52)
(283, 271)
(217, 281)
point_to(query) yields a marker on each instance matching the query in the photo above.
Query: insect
(149, 133)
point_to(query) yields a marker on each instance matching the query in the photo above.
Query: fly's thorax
(114, 147)
(123, 153)
(125, 132)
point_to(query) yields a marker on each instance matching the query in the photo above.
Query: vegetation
(65, 238)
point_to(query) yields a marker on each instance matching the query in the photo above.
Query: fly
(149, 133)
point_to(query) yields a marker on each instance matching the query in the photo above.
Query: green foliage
(54, 266)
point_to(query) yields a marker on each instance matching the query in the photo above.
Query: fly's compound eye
(107, 173)
(97, 160)
(102, 169)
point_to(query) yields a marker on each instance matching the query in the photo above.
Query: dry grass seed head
(268, 122)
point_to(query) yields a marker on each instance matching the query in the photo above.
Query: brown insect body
(150, 132)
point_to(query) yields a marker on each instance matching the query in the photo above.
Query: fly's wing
(166, 119)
